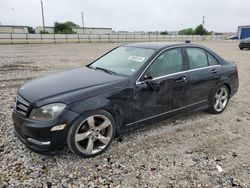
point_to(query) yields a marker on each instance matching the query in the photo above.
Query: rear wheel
(91, 135)
(219, 100)
(241, 48)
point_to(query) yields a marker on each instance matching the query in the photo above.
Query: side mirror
(154, 86)
(147, 77)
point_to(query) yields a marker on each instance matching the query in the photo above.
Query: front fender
(117, 103)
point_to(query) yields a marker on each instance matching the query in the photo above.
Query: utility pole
(82, 24)
(42, 16)
(203, 21)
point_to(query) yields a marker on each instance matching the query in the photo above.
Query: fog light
(58, 127)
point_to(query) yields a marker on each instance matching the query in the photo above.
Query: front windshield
(124, 60)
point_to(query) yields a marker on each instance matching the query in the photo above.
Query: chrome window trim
(138, 121)
(167, 75)
(191, 70)
(162, 51)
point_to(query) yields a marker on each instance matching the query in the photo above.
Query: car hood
(247, 40)
(69, 86)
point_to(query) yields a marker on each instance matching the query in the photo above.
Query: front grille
(21, 105)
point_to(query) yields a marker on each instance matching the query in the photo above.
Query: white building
(86, 30)
(39, 29)
(13, 29)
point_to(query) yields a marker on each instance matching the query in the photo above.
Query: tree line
(68, 28)
(199, 30)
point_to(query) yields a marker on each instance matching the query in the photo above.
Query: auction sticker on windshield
(136, 58)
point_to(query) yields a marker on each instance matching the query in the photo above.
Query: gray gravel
(183, 151)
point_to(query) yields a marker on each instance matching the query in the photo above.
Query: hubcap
(93, 134)
(221, 99)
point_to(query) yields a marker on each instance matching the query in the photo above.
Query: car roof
(163, 45)
(158, 45)
(154, 45)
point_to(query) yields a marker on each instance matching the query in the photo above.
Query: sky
(130, 15)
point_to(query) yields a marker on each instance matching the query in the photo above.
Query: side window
(211, 59)
(168, 62)
(197, 58)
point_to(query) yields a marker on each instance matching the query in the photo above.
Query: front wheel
(91, 135)
(219, 100)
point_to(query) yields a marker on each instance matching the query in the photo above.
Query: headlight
(47, 112)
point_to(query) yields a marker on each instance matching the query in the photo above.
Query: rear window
(212, 60)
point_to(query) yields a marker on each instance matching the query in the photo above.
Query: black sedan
(245, 43)
(129, 87)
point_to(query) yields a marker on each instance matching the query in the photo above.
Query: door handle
(214, 71)
(182, 79)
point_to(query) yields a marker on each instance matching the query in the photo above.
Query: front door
(168, 73)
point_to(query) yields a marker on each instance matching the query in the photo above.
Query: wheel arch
(228, 87)
(91, 105)
(219, 84)
(116, 118)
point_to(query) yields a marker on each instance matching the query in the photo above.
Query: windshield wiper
(106, 70)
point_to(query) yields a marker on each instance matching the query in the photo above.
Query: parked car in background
(129, 87)
(245, 43)
(234, 37)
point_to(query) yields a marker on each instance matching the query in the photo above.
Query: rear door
(203, 73)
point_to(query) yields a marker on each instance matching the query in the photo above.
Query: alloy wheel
(221, 99)
(93, 134)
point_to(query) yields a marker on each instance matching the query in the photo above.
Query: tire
(241, 48)
(219, 100)
(90, 135)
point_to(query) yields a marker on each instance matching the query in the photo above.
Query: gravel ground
(180, 152)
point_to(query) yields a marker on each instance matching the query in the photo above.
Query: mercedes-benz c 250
(131, 86)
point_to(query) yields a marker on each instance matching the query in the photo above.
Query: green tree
(44, 32)
(31, 30)
(63, 28)
(188, 31)
(164, 33)
(72, 24)
(200, 30)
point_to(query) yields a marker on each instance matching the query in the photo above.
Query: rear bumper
(38, 135)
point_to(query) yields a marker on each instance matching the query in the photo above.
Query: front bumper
(244, 45)
(38, 135)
